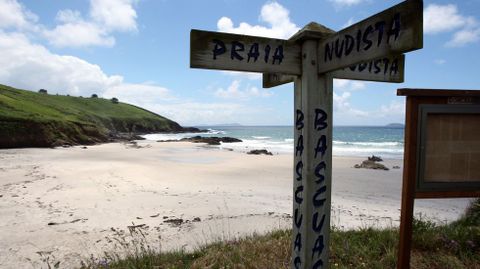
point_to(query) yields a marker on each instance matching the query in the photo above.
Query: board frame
(424, 111)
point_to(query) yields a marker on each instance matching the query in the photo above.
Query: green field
(31, 119)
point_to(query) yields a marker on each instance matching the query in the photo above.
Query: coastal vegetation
(31, 119)
(455, 245)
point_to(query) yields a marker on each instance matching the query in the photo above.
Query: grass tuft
(451, 246)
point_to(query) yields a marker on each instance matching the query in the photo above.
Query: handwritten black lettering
(318, 247)
(320, 119)
(278, 55)
(297, 262)
(298, 191)
(317, 201)
(298, 170)
(366, 40)
(320, 178)
(394, 28)
(236, 47)
(253, 53)
(321, 146)
(299, 120)
(349, 44)
(339, 48)
(318, 264)
(219, 48)
(267, 53)
(298, 218)
(316, 225)
(298, 242)
(299, 147)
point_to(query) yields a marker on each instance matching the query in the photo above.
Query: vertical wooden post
(313, 162)
(408, 188)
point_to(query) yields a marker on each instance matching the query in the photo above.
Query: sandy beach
(66, 204)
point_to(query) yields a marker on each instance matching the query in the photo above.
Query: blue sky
(138, 51)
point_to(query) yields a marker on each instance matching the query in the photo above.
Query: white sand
(93, 194)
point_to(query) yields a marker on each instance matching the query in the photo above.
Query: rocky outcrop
(211, 140)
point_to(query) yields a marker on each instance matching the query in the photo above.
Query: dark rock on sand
(175, 222)
(371, 165)
(259, 152)
(211, 140)
(196, 219)
(375, 158)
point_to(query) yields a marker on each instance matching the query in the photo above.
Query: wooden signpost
(442, 152)
(370, 50)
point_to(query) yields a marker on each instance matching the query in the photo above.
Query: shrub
(94, 95)
(43, 91)
(114, 100)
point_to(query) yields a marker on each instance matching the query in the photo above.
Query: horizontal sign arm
(212, 50)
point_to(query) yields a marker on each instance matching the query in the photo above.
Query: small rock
(259, 151)
(14, 195)
(371, 165)
(196, 219)
(1, 195)
(396, 167)
(154, 216)
(84, 148)
(52, 223)
(375, 158)
(175, 222)
(139, 218)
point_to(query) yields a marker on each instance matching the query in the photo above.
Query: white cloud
(274, 14)
(348, 85)
(346, 3)
(31, 66)
(241, 74)
(105, 18)
(139, 94)
(440, 61)
(342, 106)
(464, 37)
(79, 34)
(114, 15)
(446, 18)
(395, 109)
(15, 15)
(443, 18)
(233, 91)
(350, 22)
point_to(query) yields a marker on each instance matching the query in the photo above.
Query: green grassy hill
(30, 119)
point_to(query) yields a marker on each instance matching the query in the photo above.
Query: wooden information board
(442, 152)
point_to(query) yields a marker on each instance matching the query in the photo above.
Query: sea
(357, 141)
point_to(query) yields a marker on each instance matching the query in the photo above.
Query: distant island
(395, 125)
(31, 119)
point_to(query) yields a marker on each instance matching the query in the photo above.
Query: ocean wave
(213, 131)
(369, 144)
(262, 137)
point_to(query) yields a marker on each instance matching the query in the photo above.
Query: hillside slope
(30, 119)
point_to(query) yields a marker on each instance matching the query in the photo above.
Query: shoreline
(189, 194)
